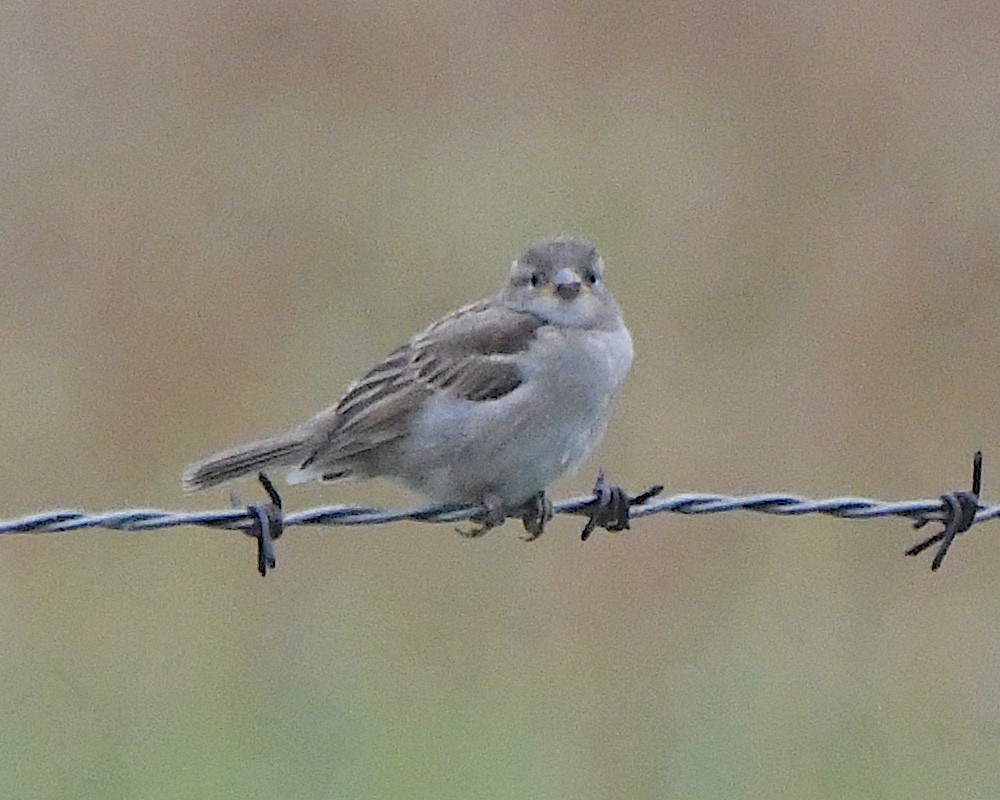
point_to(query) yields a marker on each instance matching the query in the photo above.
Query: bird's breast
(580, 368)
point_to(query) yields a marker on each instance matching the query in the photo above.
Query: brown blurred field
(214, 216)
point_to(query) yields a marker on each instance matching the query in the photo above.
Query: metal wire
(956, 511)
(144, 519)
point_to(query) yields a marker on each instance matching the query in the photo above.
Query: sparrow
(486, 407)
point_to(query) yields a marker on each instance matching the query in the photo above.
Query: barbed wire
(609, 507)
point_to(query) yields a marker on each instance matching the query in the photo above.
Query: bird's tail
(282, 450)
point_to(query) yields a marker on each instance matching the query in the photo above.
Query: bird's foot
(494, 514)
(535, 515)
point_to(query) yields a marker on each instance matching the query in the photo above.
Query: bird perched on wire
(486, 407)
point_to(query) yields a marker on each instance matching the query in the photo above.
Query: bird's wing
(470, 354)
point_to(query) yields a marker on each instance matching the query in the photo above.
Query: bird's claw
(493, 516)
(535, 515)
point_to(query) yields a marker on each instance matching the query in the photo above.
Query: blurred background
(215, 216)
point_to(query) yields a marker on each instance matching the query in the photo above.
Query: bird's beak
(567, 284)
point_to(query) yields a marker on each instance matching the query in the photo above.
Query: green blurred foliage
(213, 216)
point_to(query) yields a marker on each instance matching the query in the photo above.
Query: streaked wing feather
(472, 353)
(477, 378)
(469, 355)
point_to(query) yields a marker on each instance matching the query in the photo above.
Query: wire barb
(267, 524)
(959, 509)
(612, 506)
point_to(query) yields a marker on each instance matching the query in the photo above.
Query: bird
(486, 407)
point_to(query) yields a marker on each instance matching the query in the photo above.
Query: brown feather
(467, 355)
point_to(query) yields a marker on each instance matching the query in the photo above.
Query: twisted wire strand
(144, 519)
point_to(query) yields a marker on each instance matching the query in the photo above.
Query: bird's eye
(535, 279)
(591, 277)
